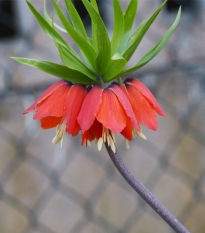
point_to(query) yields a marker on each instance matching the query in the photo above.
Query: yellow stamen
(60, 130)
(62, 142)
(104, 137)
(113, 136)
(127, 144)
(100, 143)
(113, 146)
(109, 140)
(141, 135)
(57, 128)
(133, 133)
(56, 139)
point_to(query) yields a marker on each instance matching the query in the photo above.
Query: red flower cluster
(97, 112)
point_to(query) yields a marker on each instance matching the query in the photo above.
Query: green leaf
(129, 17)
(71, 61)
(129, 52)
(49, 30)
(118, 27)
(79, 40)
(155, 50)
(76, 20)
(56, 70)
(100, 37)
(78, 25)
(133, 37)
(49, 20)
(68, 58)
(75, 63)
(116, 65)
(94, 4)
(90, 40)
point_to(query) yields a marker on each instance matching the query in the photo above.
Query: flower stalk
(102, 84)
(144, 192)
(119, 80)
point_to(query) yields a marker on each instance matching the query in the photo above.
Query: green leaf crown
(102, 56)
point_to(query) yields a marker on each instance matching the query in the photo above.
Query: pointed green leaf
(129, 52)
(49, 30)
(74, 62)
(100, 37)
(94, 4)
(71, 61)
(133, 37)
(90, 40)
(79, 40)
(116, 65)
(87, 62)
(118, 27)
(155, 50)
(78, 25)
(56, 70)
(49, 20)
(129, 17)
(76, 20)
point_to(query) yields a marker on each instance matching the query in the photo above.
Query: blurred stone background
(45, 189)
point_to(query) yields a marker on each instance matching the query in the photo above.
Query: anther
(113, 136)
(127, 144)
(60, 130)
(100, 143)
(141, 135)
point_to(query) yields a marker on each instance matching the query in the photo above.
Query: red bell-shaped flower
(144, 104)
(105, 111)
(99, 113)
(59, 107)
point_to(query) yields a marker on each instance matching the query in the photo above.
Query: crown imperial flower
(80, 102)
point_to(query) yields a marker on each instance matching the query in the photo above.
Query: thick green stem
(119, 80)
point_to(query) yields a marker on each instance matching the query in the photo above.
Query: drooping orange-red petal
(73, 104)
(45, 95)
(96, 129)
(126, 105)
(111, 114)
(146, 92)
(76, 131)
(127, 131)
(144, 111)
(124, 89)
(90, 108)
(88, 135)
(54, 105)
(50, 122)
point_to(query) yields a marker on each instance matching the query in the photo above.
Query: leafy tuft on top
(102, 56)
